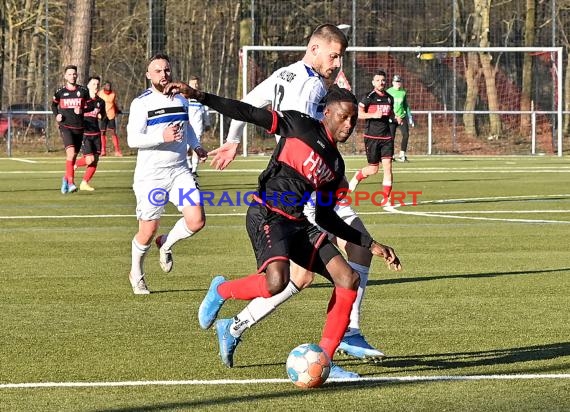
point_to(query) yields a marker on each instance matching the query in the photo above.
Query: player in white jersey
(200, 122)
(299, 86)
(158, 127)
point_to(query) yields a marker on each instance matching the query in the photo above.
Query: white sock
(259, 308)
(354, 325)
(178, 232)
(138, 253)
(402, 153)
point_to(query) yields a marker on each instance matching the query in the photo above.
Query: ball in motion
(308, 366)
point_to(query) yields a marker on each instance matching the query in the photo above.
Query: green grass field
(478, 320)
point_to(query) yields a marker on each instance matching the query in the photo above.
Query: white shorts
(345, 212)
(153, 194)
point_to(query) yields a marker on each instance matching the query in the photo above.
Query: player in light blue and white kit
(300, 86)
(158, 127)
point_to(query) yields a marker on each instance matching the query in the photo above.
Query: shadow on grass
(247, 399)
(494, 357)
(377, 282)
(465, 276)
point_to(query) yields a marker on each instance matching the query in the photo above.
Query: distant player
(377, 108)
(91, 147)
(67, 105)
(107, 121)
(158, 127)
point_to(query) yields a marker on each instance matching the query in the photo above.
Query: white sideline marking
(23, 160)
(36, 385)
(439, 170)
(459, 214)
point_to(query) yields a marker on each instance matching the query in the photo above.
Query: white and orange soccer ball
(308, 366)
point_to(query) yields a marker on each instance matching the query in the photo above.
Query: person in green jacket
(402, 111)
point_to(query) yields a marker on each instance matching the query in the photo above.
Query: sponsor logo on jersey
(70, 103)
(287, 76)
(316, 170)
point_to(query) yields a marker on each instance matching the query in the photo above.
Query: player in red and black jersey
(68, 105)
(305, 160)
(377, 108)
(91, 147)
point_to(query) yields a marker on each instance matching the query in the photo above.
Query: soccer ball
(308, 366)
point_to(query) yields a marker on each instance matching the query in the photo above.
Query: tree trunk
(472, 74)
(81, 38)
(489, 71)
(526, 87)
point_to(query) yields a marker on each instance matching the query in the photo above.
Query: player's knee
(276, 279)
(301, 277)
(353, 280)
(349, 279)
(196, 222)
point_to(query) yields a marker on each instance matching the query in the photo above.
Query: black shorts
(91, 145)
(71, 137)
(107, 123)
(275, 237)
(378, 149)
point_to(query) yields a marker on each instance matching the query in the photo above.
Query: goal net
(464, 100)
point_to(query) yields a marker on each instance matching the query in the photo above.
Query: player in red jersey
(305, 160)
(67, 105)
(377, 108)
(91, 147)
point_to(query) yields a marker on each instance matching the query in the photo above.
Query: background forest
(114, 39)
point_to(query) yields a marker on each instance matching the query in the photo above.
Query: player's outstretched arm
(223, 155)
(387, 253)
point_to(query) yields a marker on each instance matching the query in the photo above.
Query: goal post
(465, 100)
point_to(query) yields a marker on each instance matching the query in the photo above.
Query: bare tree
(79, 20)
(483, 7)
(527, 66)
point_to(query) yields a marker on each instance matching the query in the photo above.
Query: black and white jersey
(65, 101)
(294, 87)
(378, 102)
(306, 159)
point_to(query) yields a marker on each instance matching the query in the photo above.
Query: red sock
(89, 173)
(246, 288)
(338, 318)
(69, 172)
(116, 143)
(387, 190)
(360, 176)
(80, 162)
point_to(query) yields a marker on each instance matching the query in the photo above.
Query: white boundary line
(459, 214)
(37, 385)
(16, 159)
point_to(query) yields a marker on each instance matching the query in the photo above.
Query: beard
(158, 86)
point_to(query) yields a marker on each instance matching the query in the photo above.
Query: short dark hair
(159, 56)
(339, 94)
(330, 32)
(194, 77)
(70, 66)
(380, 72)
(94, 78)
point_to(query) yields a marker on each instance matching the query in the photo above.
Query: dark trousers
(405, 128)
